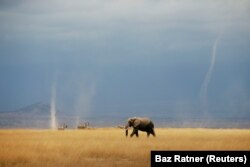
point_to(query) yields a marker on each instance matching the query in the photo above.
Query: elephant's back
(146, 122)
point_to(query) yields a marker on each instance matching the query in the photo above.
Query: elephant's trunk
(126, 130)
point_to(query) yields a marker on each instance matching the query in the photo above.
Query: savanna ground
(108, 146)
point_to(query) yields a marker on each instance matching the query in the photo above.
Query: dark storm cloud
(123, 55)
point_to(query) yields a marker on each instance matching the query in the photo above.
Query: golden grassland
(108, 146)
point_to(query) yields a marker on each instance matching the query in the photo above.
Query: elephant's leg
(135, 132)
(132, 134)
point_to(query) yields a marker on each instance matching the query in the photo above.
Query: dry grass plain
(108, 146)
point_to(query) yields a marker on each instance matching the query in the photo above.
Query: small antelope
(64, 126)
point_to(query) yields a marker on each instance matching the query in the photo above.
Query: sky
(127, 57)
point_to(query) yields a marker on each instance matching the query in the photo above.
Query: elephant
(142, 124)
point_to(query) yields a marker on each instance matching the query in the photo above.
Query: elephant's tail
(153, 132)
(152, 124)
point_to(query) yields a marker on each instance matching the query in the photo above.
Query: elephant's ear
(131, 120)
(136, 123)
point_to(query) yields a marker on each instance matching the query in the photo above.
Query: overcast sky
(139, 57)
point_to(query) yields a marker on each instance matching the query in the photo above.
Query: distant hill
(39, 108)
(36, 107)
(36, 115)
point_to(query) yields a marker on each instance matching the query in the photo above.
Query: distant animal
(83, 125)
(142, 124)
(62, 127)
